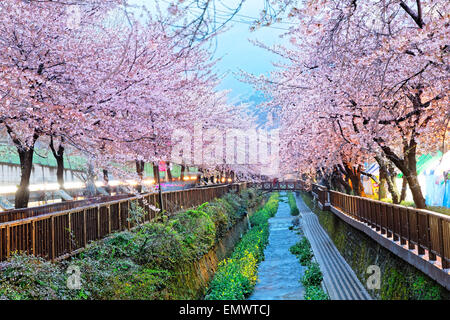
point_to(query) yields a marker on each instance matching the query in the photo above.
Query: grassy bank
(292, 204)
(137, 264)
(237, 275)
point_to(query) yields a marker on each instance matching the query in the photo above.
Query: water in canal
(280, 272)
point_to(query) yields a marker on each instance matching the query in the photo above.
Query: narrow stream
(280, 272)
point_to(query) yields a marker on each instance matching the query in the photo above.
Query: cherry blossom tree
(40, 51)
(367, 80)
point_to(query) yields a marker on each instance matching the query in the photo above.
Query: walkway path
(339, 278)
(279, 274)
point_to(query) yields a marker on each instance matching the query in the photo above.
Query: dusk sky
(235, 50)
(238, 53)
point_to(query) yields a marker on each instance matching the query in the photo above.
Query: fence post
(431, 255)
(442, 252)
(33, 237)
(109, 218)
(70, 231)
(8, 242)
(420, 249)
(84, 228)
(120, 217)
(53, 237)
(98, 222)
(128, 215)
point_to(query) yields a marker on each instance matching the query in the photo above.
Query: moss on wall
(399, 279)
(190, 282)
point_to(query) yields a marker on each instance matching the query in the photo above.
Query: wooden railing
(60, 234)
(16, 214)
(419, 229)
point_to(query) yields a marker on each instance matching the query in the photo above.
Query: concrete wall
(10, 174)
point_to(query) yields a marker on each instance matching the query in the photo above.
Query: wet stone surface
(280, 272)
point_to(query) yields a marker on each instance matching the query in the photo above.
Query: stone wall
(399, 279)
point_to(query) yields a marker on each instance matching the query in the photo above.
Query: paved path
(280, 272)
(339, 278)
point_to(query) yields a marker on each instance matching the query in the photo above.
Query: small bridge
(279, 186)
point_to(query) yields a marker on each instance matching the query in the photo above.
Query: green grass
(237, 275)
(302, 250)
(293, 204)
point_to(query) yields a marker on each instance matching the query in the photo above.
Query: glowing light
(74, 185)
(223, 180)
(132, 182)
(230, 180)
(44, 187)
(149, 181)
(99, 184)
(8, 189)
(115, 183)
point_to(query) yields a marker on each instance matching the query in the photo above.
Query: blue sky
(235, 50)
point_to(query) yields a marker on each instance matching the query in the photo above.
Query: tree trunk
(140, 171)
(339, 183)
(413, 181)
(59, 156)
(183, 169)
(404, 188)
(158, 182)
(386, 179)
(156, 173)
(392, 186)
(169, 173)
(26, 165)
(106, 181)
(408, 166)
(382, 184)
(354, 174)
(416, 191)
(91, 189)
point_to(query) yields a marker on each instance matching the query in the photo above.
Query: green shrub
(223, 216)
(312, 276)
(315, 293)
(25, 277)
(197, 230)
(161, 246)
(293, 204)
(423, 290)
(147, 284)
(237, 276)
(303, 251)
(269, 210)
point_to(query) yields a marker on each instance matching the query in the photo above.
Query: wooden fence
(16, 214)
(418, 229)
(58, 235)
